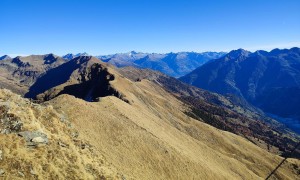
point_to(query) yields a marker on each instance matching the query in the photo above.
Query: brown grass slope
(65, 156)
(151, 137)
(227, 113)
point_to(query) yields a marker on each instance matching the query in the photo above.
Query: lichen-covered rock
(33, 138)
(9, 123)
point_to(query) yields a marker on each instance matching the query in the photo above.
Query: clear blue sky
(110, 26)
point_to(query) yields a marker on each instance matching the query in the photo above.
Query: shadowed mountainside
(84, 77)
(268, 80)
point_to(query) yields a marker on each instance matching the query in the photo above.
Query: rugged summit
(85, 77)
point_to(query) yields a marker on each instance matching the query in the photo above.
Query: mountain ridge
(265, 79)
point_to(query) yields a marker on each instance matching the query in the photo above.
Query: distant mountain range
(264, 79)
(268, 80)
(172, 64)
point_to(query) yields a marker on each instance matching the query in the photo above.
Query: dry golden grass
(148, 138)
(151, 138)
(64, 157)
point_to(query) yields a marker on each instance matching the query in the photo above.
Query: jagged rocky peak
(238, 53)
(50, 58)
(70, 56)
(5, 57)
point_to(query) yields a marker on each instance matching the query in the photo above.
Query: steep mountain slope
(224, 112)
(151, 137)
(36, 142)
(19, 73)
(173, 64)
(266, 79)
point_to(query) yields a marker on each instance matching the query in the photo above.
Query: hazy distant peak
(70, 56)
(5, 57)
(238, 53)
(295, 49)
(133, 52)
(82, 54)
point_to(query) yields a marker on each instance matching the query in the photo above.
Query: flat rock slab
(2, 172)
(33, 138)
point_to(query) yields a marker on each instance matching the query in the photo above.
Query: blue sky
(111, 26)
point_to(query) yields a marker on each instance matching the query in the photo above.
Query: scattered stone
(33, 138)
(2, 172)
(62, 144)
(32, 172)
(123, 177)
(83, 146)
(1, 155)
(63, 118)
(38, 140)
(21, 174)
(75, 134)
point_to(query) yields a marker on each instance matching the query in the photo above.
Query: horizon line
(199, 52)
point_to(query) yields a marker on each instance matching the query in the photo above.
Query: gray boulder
(34, 138)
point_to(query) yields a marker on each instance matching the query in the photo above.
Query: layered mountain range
(268, 80)
(172, 64)
(128, 117)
